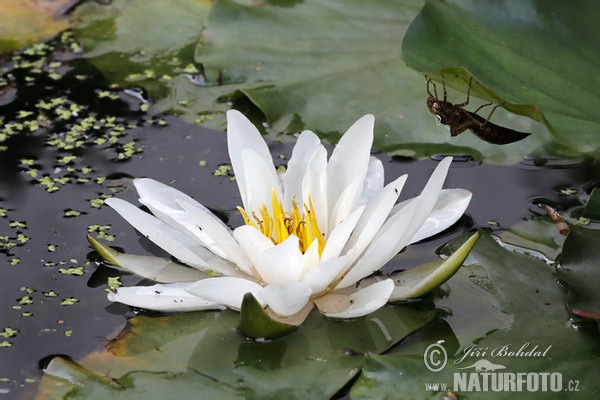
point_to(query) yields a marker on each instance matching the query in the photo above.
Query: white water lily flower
(310, 233)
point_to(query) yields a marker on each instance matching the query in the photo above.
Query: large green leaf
(321, 66)
(144, 43)
(528, 293)
(25, 22)
(186, 354)
(536, 52)
(307, 65)
(579, 267)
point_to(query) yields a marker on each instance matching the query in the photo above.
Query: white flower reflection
(310, 234)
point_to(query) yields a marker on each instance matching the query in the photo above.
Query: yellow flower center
(281, 224)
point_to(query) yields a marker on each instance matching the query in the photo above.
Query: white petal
(162, 200)
(367, 300)
(165, 203)
(162, 297)
(283, 262)
(221, 235)
(242, 135)
(339, 235)
(450, 206)
(321, 275)
(346, 204)
(170, 239)
(228, 291)
(286, 299)
(350, 160)
(254, 244)
(373, 181)
(304, 150)
(261, 178)
(311, 256)
(375, 214)
(397, 231)
(314, 185)
(388, 242)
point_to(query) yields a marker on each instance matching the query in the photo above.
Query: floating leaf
(512, 48)
(579, 262)
(526, 290)
(200, 352)
(23, 22)
(336, 62)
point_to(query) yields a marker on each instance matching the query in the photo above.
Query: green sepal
(422, 279)
(256, 323)
(157, 269)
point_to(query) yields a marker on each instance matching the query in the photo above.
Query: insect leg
(468, 94)
(444, 86)
(480, 107)
(434, 88)
(490, 116)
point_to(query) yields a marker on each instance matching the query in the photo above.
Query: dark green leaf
(526, 52)
(527, 292)
(579, 267)
(203, 353)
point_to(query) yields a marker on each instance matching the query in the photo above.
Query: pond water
(53, 178)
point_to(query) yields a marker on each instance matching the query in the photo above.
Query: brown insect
(459, 119)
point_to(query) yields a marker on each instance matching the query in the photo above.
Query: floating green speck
(582, 221)
(71, 271)
(15, 261)
(72, 213)
(114, 282)
(9, 332)
(25, 300)
(69, 301)
(190, 69)
(69, 332)
(51, 293)
(22, 238)
(24, 114)
(5, 343)
(97, 203)
(17, 224)
(67, 159)
(222, 170)
(202, 163)
(568, 191)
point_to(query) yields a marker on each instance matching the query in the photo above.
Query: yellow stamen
(280, 225)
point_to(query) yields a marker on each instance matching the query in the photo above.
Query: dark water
(53, 294)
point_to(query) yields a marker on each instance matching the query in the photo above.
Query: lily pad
(334, 63)
(579, 261)
(171, 355)
(528, 292)
(526, 52)
(25, 22)
(307, 65)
